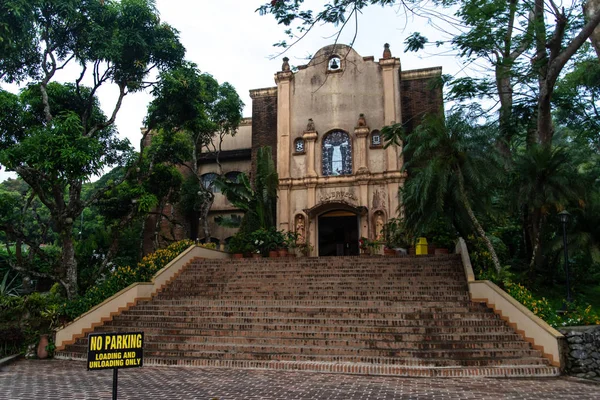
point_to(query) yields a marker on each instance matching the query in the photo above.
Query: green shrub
(123, 277)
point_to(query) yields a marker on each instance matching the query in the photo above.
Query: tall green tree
(195, 108)
(451, 165)
(63, 139)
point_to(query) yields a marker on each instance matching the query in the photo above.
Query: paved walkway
(54, 379)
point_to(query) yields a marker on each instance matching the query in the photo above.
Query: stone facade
(583, 358)
(355, 98)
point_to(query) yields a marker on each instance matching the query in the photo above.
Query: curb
(7, 360)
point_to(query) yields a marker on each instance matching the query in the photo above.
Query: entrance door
(338, 234)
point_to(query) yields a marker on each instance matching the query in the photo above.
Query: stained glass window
(376, 139)
(337, 154)
(233, 176)
(299, 145)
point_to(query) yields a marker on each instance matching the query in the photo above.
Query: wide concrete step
(158, 309)
(405, 367)
(376, 319)
(253, 326)
(202, 302)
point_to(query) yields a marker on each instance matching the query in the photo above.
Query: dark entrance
(338, 234)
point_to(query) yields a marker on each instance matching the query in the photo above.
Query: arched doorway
(338, 233)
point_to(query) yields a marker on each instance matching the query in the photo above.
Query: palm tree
(545, 180)
(258, 202)
(451, 165)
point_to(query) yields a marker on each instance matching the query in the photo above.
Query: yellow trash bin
(421, 246)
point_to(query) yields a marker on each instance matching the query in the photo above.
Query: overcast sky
(232, 42)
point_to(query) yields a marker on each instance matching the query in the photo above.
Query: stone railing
(583, 352)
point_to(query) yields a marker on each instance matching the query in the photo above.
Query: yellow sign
(115, 350)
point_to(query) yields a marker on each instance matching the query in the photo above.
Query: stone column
(310, 138)
(284, 119)
(361, 132)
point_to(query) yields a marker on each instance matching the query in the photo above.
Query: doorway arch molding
(335, 205)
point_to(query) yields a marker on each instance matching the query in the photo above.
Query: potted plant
(305, 248)
(50, 321)
(363, 244)
(442, 236)
(396, 237)
(274, 241)
(291, 239)
(238, 245)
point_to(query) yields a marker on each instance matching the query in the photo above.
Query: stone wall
(583, 353)
(264, 122)
(419, 96)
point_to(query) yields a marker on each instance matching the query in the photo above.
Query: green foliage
(265, 240)
(396, 234)
(9, 287)
(258, 202)
(122, 277)
(24, 318)
(575, 314)
(240, 244)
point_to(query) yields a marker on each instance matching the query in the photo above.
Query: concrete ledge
(130, 296)
(9, 359)
(461, 248)
(533, 329)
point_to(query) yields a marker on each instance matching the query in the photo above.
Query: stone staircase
(404, 316)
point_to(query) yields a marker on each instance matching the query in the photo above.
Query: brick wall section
(264, 126)
(419, 98)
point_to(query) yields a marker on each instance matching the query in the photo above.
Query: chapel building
(337, 182)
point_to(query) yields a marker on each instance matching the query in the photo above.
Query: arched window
(337, 154)
(233, 176)
(208, 181)
(376, 139)
(299, 145)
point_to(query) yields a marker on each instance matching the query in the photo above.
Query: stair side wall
(532, 328)
(130, 296)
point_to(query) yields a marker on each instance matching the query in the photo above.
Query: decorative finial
(386, 51)
(361, 120)
(286, 65)
(310, 127)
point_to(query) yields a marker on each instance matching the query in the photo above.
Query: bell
(334, 64)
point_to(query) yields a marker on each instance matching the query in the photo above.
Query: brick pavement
(56, 379)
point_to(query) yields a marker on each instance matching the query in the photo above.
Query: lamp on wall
(564, 217)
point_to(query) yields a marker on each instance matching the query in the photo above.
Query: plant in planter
(305, 248)
(238, 246)
(363, 244)
(442, 236)
(291, 240)
(396, 236)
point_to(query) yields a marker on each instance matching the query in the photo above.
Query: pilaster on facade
(362, 134)
(284, 120)
(310, 137)
(391, 104)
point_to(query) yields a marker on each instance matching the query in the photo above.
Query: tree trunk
(476, 224)
(505, 93)
(69, 264)
(590, 8)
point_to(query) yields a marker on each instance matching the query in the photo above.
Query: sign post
(115, 350)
